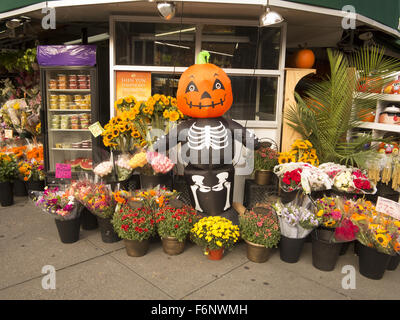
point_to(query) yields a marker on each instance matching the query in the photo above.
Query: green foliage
(260, 228)
(175, 222)
(8, 168)
(134, 224)
(18, 61)
(331, 108)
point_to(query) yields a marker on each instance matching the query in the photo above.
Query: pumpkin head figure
(204, 91)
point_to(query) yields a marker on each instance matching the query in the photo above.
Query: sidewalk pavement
(91, 269)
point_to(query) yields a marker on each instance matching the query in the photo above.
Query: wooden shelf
(379, 96)
(380, 126)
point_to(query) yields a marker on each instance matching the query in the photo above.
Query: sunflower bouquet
(376, 230)
(301, 151)
(124, 104)
(214, 232)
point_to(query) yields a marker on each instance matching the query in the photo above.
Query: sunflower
(115, 133)
(166, 114)
(382, 239)
(135, 133)
(173, 116)
(330, 223)
(128, 100)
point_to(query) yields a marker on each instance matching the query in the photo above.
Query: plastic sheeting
(71, 55)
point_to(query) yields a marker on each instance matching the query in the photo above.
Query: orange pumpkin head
(204, 91)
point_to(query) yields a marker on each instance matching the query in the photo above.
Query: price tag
(96, 129)
(8, 133)
(389, 207)
(63, 171)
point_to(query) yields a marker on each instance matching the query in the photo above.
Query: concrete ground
(91, 269)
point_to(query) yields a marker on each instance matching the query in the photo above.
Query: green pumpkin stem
(203, 57)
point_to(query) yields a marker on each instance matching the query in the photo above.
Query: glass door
(69, 114)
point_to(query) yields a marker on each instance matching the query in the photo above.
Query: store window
(249, 55)
(154, 44)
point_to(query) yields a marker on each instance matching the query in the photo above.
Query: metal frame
(279, 73)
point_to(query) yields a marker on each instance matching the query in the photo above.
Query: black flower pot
(6, 194)
(325, 254)
(148, 182)
(356, 247)
(290, 249)
(88, 220)
(68, 230)
(35, 185)
(108, 235)
(393, 263)
(345, 247)
(287, 197)
(20, 189)
(372, 263)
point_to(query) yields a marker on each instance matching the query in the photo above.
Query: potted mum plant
(135, 226)
(173, 226)
(8, 172)
(260, 231)
(214, 234)
(265, 159)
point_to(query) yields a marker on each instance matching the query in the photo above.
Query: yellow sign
(132, 83)
(96, 129)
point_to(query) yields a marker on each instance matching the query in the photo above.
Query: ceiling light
(166, 9)
(270, 17)
(13, 23)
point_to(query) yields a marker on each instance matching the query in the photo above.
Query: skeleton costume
(208, 147)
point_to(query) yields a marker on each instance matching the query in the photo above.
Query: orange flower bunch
(24, 170)
(18, 151)
(35, 153)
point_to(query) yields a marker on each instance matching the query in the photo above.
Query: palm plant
(329, 110)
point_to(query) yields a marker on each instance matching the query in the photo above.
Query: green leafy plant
(261, 227)
(19, 61)
(175, 222)
(8, 168)
(134, 224)
(331, 108)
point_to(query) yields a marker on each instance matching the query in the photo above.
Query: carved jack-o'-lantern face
(204, 91)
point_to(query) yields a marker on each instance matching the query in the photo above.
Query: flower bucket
(263, 177)
(324, 254)
(108, 234)
(290, 249)
(136, 248)
(172, 246)
(287, 197)
(216, 254)
(372, 263)
(6, 194)
(35, 185)
(148, 182)
(356, 247)
(88, 220)
(68, 230)
(257, 252)
(20, 189)
(393, 263)
(345, 247)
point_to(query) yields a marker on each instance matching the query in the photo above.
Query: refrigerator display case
(69, 106)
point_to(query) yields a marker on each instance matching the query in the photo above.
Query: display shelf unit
(69, 90)
(72, 149)
(70, 110)
(70, 130)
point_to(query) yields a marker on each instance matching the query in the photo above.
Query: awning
(386, 12)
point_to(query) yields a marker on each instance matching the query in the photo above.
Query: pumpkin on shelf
(304, 59)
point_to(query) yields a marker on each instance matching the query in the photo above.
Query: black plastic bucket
(372, 263)
(6, 194)
(148, 182)
(35, 185)
(324, 254)
(68, 230)
(393, 263)
(20, 189)
(290, 249)
(88, 220)
(108, 235)
(344, 248)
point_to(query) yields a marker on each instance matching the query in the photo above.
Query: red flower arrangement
(134, 224)
(347, 231)
(292, 178)
(175, 222)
